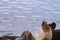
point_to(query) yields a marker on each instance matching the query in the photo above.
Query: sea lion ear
(44, 23)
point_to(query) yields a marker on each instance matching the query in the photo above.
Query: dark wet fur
(27, 36)
(3, 38)
(11, 37)
(55, 32)
(52, 25)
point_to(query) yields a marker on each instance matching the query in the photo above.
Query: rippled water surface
(19, 15)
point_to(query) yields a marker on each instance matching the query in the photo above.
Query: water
(19, 15)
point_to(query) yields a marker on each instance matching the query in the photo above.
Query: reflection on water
(19, 15)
